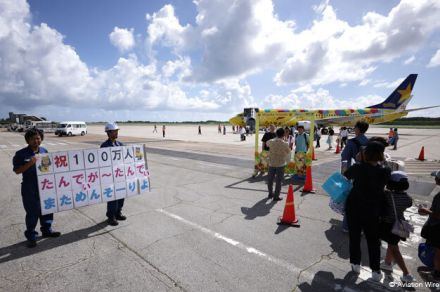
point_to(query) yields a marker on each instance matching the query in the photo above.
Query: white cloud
(392, 85)
(409, 60)
(122, 38)
(38, 70)
(435, 60)
(350, 53)
(165, 29)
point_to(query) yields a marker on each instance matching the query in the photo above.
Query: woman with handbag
(396, 202)
(431, 230)
(363, 206)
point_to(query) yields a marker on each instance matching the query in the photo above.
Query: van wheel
(82, 133)
(69, 134)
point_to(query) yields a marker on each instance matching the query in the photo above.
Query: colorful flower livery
(72, 179)
(393, 107)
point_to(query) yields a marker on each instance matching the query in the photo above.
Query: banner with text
(76, 178)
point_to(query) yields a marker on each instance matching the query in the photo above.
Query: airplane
(392, 108)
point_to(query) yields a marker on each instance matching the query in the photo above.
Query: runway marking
(237, 244)
(61, 143)
(52, 144)
(364, 275)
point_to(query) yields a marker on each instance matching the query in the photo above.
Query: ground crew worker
(114, 208)
(24, 163)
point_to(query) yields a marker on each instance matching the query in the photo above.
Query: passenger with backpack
(348, 155)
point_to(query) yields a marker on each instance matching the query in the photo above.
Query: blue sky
(202, 60)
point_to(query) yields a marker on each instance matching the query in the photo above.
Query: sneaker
(270, 196)
(407, 278)
(52, 234)
(112, 221)
(386, 267)
(31, 243)
(120, 217)
(277, 199)
(345, 230)
(376, 276)
(356, 268)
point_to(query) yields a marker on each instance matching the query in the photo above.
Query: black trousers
(358, 221)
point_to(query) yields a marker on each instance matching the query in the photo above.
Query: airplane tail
(400, 97)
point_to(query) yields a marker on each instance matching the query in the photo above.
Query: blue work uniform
(30, 195)
(113, 207)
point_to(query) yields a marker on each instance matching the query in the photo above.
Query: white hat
(436, 173)
(111, 127)
(398, 175)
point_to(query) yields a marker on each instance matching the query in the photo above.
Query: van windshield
(63, 125)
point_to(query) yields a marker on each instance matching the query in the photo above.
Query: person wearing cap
(114, 208)
(24, 163)
(363, 206)
(431, 230)
(397, 199)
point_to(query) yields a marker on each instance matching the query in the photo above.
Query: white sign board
(72, 179)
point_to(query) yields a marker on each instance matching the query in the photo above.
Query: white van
(70, 128)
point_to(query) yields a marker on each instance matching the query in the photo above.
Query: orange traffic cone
(422, 154)
(308, 186)
(338, 150)
(289, 217)
(313, 154)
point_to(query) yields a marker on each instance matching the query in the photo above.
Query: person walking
(163, 131)
(397, 201)
(155, 128)
(224, 130)
(363, 207)
(331, 132)
(431, 231)
(344, 137)
(114, 208)
(390, 136)
(279, 151)
(395, 139)
(317, 137)
(200, 130)
(24, 163)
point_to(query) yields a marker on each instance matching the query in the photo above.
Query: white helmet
(111, 127)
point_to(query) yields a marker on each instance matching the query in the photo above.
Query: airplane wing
(421, 108)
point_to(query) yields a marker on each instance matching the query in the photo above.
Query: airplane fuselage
(343, 117)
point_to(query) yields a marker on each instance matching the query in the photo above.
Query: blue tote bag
(338, 187)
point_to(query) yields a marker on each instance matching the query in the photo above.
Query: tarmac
(206, 225)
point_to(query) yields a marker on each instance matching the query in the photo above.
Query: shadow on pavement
(326, 281)
(19, 250)
(260, 178)
(260, 209)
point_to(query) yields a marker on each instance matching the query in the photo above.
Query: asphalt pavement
(205, 226)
